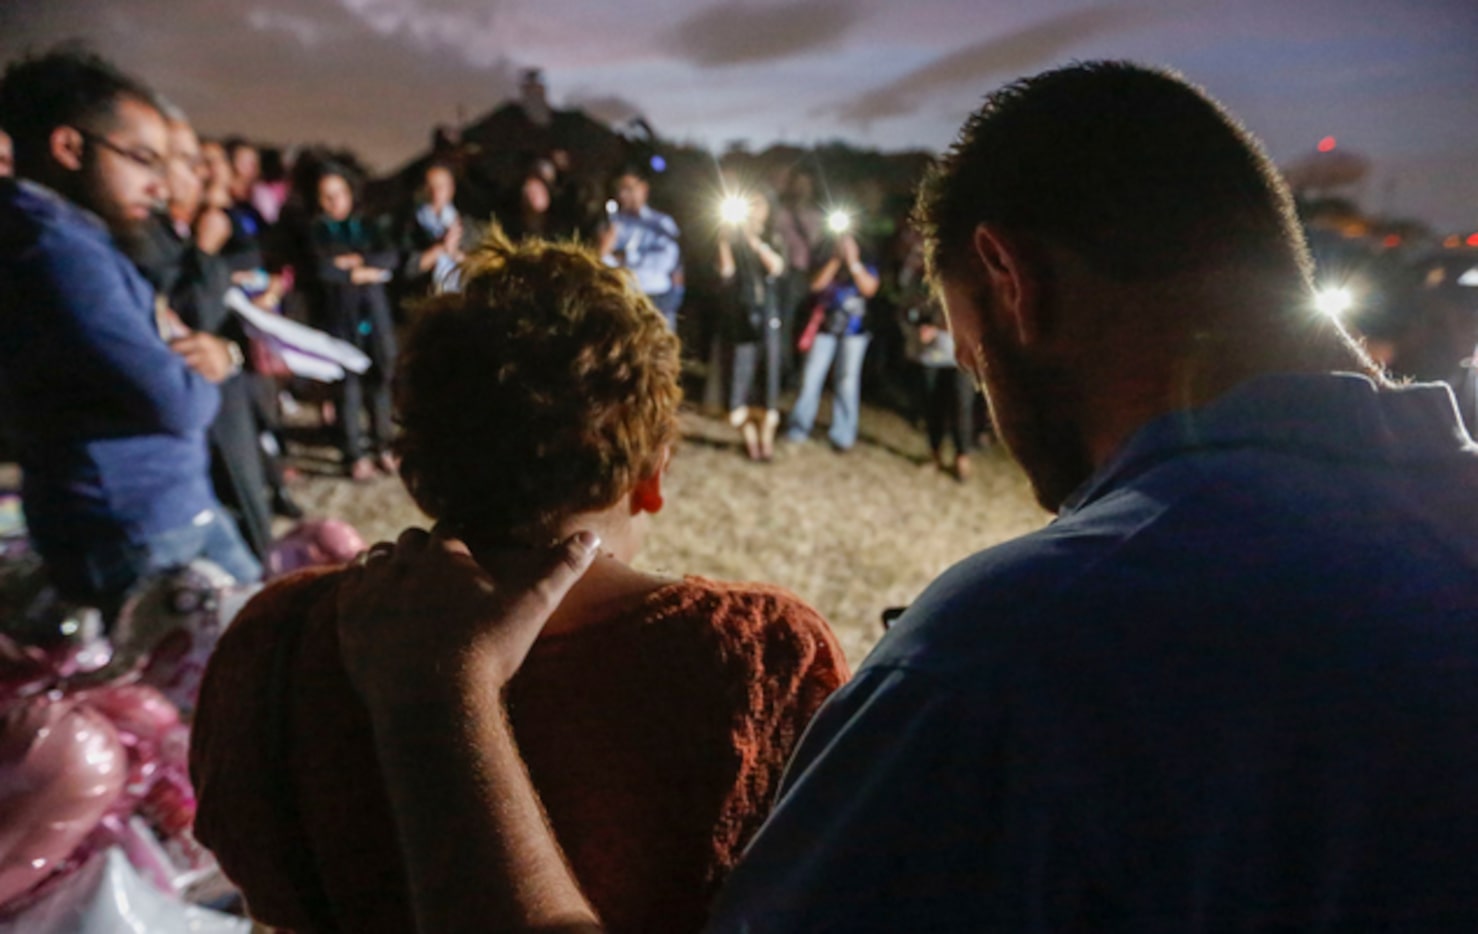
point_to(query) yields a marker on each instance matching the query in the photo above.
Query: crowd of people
(1230, 687)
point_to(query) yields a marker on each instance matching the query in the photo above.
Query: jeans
(846, 352)
(668, 303)
(747, 359)
(100, 574)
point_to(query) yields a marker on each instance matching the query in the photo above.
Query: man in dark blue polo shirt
(1233, 687)
(109, 415)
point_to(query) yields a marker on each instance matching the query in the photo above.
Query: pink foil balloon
(312, 543)
(62, 767)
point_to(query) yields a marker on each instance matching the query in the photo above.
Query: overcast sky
(1395, 80)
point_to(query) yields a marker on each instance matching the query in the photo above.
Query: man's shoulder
(22, 218)
(657, 219)
(35, 220)
(978, 604)
(1210, 529)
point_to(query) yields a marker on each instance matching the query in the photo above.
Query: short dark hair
(1135, 169)
(547, 387)
(636, 170)
(330, 168)
(69, 85)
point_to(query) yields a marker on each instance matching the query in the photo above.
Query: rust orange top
(656, 741)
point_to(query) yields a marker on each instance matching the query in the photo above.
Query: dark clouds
(1023, 51)
(610, 108)
(284, 70)
(377, 75)
(746, 33)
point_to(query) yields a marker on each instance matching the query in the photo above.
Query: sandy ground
(851, 534)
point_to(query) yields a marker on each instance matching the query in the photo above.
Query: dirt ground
(852, 534)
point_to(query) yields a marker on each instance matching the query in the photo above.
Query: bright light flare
(1334, 302)
(734, 210)
(839, 222)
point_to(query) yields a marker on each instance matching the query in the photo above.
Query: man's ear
(646, 496)
(66, 145)
(1014, 275)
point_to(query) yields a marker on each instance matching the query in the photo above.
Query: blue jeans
(846, 388)
(748, 356)
(668, 303)
(101, 573)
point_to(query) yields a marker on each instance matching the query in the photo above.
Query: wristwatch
(238, 359)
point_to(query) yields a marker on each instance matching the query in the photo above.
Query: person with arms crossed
(113, 395)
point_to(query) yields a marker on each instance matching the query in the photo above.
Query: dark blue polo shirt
(1234, 686)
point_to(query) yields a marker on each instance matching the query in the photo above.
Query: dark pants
(794, 292)
(747, 359)
(237, 467)
(360, 314)
(949, 407)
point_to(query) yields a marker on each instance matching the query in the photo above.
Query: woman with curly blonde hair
(655, 715)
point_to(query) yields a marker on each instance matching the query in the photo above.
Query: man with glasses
(113, 395)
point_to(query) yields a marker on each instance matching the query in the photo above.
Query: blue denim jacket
(110, 422)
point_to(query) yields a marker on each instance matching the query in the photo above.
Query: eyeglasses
(146, 159)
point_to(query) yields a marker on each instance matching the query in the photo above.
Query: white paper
(301, 341)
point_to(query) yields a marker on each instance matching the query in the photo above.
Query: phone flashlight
(734, 210)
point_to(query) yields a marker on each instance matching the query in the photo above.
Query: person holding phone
(841, 287)
(750, 265)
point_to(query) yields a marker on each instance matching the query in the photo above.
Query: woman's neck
(608, 590)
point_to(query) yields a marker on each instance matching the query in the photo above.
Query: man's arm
(103, 307)
(478, 850)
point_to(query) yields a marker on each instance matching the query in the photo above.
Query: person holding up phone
(841, 287)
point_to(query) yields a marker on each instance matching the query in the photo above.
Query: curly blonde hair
(548, 387)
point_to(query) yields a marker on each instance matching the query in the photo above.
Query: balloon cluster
(93, 746)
